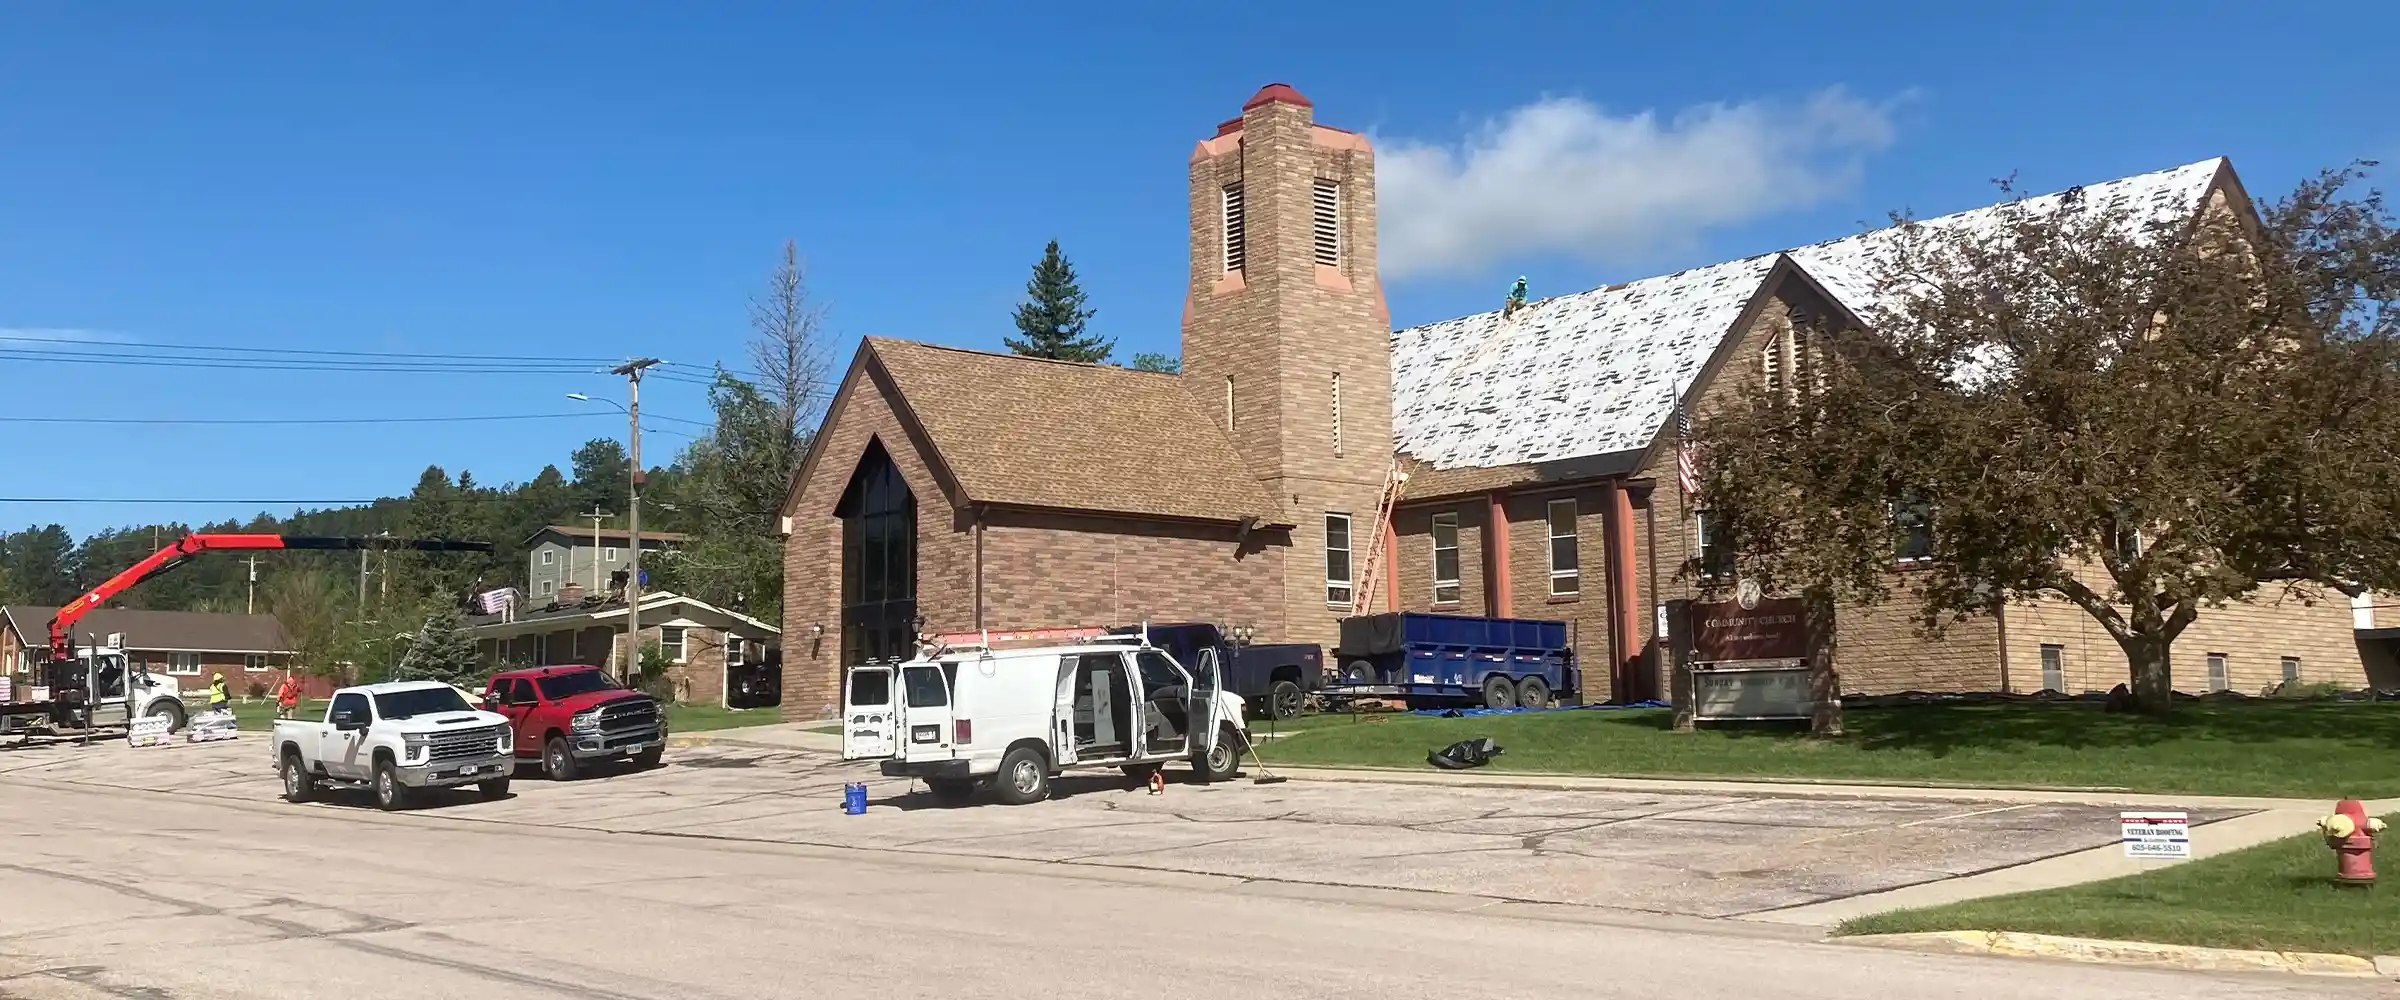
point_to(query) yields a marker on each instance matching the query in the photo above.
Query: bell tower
(1286, 339)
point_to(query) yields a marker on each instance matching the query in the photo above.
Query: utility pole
(632, 370)
(362, 585)
(383, 575)
(253, 585)
(597, 515)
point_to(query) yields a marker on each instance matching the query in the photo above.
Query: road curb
(2013, 944)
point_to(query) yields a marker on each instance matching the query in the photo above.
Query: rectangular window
(736, 652)
(2128, 531)
(1337, 414)
(255, 663)
(1236, 244)
(549, 557)
(1770, 361)
(1716, 557)
(2291, 670)
(545, 588)
(608, 554)
(2219, 675)
(670, 642)
(183, 664)
(1445, 558)
(1328, 219)
(1337, 560)
(1229, 402)
(1566, 557)
(1912, 530)
(2054, 668)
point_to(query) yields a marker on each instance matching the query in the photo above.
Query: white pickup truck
(395, 738)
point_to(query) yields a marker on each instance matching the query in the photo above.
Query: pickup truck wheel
(558, 761)
(390, 794)
(951, 791)
(1285, 699)
(651, 757)
(1024, 777)
(1533, 692)
(298, 784)
(493, 790)
(1224, 759)
(1498, 692)
(173, 710)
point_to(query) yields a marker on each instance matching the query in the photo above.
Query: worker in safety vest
(287, 696)
(217, 698)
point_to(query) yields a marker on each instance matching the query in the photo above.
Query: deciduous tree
(2143, 416)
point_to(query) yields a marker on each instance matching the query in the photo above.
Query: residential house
(252, 651)
(700, 641)
(559, 554)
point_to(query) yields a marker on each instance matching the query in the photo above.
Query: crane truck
(90, 685)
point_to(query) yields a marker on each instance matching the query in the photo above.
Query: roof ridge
(1098, 366)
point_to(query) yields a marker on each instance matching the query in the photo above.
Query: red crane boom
(62, 648)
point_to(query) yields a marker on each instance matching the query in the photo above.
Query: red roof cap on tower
(1277, 93)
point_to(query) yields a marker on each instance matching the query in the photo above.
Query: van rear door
(870, 716)
(1208, 678)
(925, 712)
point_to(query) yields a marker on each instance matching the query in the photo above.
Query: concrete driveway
(1702, 855)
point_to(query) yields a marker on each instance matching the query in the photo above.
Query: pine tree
(441, 652)
(1053, 316)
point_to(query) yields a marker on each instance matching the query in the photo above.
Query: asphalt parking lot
(1705, 855)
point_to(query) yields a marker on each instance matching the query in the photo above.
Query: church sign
(1750, 628)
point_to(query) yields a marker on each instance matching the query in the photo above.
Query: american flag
(1687, 463)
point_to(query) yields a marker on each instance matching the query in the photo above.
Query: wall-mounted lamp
(817, 629)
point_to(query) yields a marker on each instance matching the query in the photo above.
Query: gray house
(558, 554)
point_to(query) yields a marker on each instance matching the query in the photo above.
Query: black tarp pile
(1464, 754)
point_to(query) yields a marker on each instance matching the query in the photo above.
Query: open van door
(1201, 711)
(870, 723)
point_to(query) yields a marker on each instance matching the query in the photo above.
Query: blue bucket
(854, 798)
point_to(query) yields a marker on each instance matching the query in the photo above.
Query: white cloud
(1563, 176)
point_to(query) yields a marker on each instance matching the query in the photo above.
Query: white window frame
(1899, 533)
(1700, 544)
(737, 651)
(2292, 669)
(1341, 591)
(549, 557)
(1569, 578)
(1233, 227)
(1445, 589)
(544, 588)
(183, 664)
(254, 663)
(608, 554)
(2054, 667)
(2220, 672)
(680, 649)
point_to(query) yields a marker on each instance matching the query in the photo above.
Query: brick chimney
(570, 592)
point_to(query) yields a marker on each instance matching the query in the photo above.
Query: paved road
(136, 893)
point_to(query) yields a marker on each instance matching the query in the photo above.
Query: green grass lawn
(2273, 897)
(2275, 748)
(680, 718)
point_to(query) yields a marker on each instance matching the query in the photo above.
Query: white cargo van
(963, 718)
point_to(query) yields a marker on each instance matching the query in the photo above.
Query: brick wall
(1044, 569)
(2254, 636)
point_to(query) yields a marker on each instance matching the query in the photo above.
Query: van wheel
(173, 710)
(390, 794)
(1498, 692)
(558, 762)
(951, 791)
(1224, 759)
(1533, 692)
(1024, 777)
(1285, 699)
(298, 784)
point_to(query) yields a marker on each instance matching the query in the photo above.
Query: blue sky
(610, 179)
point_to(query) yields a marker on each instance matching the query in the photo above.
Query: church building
(952, 490)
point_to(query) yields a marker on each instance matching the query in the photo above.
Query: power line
(260, 421)
(156, 346)
(465, 367)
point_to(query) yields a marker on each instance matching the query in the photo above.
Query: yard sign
(2156, 836)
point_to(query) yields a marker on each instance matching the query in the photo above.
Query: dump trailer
(1430, 660)
(88, 686)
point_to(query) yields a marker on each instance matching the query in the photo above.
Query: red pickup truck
(568, 717)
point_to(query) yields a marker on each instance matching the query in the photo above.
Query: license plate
(464, 771)
(632, 748)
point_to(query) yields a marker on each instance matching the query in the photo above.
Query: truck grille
(630, 714)
(470, 744)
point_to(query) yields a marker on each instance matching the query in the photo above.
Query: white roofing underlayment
(1600, 371)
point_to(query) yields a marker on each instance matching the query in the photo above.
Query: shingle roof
(1600, 371)
(1036, 433)
(619, 535)
(188, 631)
